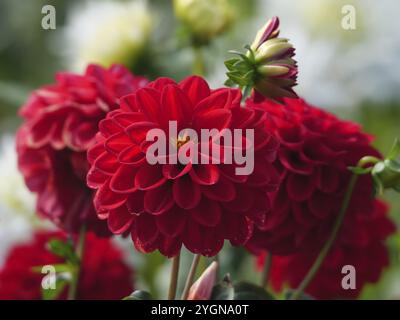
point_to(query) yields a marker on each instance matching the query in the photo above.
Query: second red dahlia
(61, 121)
(316, 149)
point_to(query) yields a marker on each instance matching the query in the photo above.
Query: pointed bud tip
(202, 288)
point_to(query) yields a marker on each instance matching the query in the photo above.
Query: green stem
(246, 92)
(217, 260)
(174, 277)
(367, 160)
(267, 269)
(190, 277)
(325, 250)
(198, 61)
(80, 247)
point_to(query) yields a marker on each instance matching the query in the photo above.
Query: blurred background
(351, 68)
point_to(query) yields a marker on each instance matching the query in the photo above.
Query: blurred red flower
(104, 274)
(316, 149)
(165, 205)
(361, 245)
(61, 121)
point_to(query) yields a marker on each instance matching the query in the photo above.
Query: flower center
(181, 141)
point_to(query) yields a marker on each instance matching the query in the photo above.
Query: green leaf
(393, 165)
(63, 250)
(242, 66)
(223, 290)
(62, 267)
(226, 290)
(229, 83)
(378, 186)
(231, 62)
(237, 79)
(394, 153)
(249, 291)
(303, 296)
(139, 295)
(53, 294)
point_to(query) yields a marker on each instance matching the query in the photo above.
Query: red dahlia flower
(61, 121)
(361, 245)
(316, 149)
(104, 275)
(165, 205)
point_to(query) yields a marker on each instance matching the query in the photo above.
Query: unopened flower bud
(386, 175)
(202, 288)
(268, 65)
(205, 19)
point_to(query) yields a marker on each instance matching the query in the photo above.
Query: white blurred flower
(106, 32)
(17, 218)
(338, 67)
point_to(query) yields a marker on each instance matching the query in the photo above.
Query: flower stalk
(80, 247)
(174, 277)
(266, 271)
(328, 245)
(190, 277)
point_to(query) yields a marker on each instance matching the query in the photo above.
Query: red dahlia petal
(158, 200)
(205, 174)
(135, 202)
(119, 220)
(96, 178)
(176, 105)
(106, 199)
(186, 193)
(207, 213)
(238, 229)
(132, 155)
(148, 101)
(149, 177)
(138, 131)
(300, 187)
(170, 246)
(223, 190)
(196, 89)
(106, 163)
(215, 119)
(117, 142)
(161, 82)
(145, 233)
(175, 171)
(172, 222)
(123, 179)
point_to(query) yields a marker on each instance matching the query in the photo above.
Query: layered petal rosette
(196, 204)
(61, 121)
(361, 245)
(316, 150)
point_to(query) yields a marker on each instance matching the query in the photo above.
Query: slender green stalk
(267, 268)
(174, 277)
(198, 61)
(217, 260)
(325, 249)
(190, 277)
(80, 247)
(246, 92)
